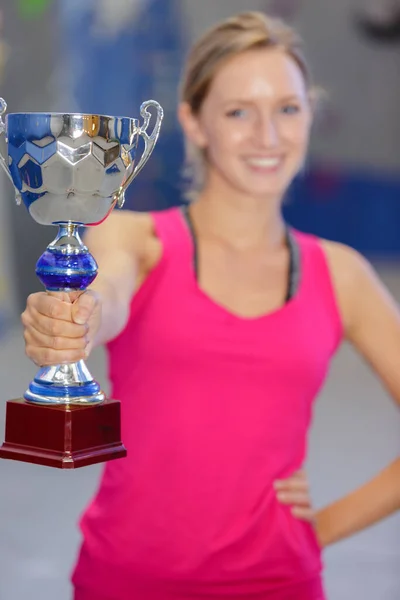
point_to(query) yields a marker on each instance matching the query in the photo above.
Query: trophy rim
(69, 114)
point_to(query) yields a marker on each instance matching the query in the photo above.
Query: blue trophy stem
(67, 266)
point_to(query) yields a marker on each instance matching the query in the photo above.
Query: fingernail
(81, 317)
(281, 496)
(277, 483)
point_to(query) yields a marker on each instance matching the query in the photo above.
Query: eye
(290, 109)
(237, 113)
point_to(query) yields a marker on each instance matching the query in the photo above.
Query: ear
(191, 125)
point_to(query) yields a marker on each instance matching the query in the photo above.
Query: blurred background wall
(108, 56)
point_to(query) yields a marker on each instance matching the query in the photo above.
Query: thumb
(84, 306)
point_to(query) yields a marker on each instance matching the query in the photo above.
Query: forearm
(370, 503)
(115, 287)
(120, 247)
(112, 312)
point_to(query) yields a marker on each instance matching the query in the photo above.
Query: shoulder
(348, 266)
(347, 269)
(353, 277)
(371, 315)
(345, 264)
(129, 231)
(123, 224)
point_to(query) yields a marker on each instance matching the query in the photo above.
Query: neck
(240, 220)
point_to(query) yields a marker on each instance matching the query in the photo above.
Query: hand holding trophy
(70, 170)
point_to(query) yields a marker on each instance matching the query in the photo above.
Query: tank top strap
(176, 258)
(172, 231)
(317, 283)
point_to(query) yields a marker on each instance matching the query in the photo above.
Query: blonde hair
(241, 33)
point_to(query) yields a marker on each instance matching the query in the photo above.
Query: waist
(252, 546)
(137, 589)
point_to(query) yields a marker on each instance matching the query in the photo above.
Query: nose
(266, 132)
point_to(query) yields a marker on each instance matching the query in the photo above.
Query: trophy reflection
(70, 170)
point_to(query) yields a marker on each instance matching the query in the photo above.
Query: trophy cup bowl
(69, 170)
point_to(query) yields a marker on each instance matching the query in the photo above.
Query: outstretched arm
(59, 327)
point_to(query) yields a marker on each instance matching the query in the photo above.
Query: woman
(220, 324)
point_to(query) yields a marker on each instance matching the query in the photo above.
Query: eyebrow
(291, 98)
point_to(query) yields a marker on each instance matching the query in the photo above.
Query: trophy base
(62, 436)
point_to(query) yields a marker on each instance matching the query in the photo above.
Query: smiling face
(254, 123)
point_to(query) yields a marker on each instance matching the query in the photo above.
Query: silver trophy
(71, 170)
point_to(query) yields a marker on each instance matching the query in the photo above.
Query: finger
(52, 327)
(292, 484)
(44, 357)
(35, 338)
(304, 514)
(300, 474)
(297, 498)
(84, 306)
(49, 306)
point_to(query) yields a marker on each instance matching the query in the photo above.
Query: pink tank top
(214, 408)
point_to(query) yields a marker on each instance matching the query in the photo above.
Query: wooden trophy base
(62, 436)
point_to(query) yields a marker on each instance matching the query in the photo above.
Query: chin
(265, 191)
(265, 187)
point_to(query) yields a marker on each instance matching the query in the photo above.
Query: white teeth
(264, 162)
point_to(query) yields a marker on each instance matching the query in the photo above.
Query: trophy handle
(3, 162)
(149, 143)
